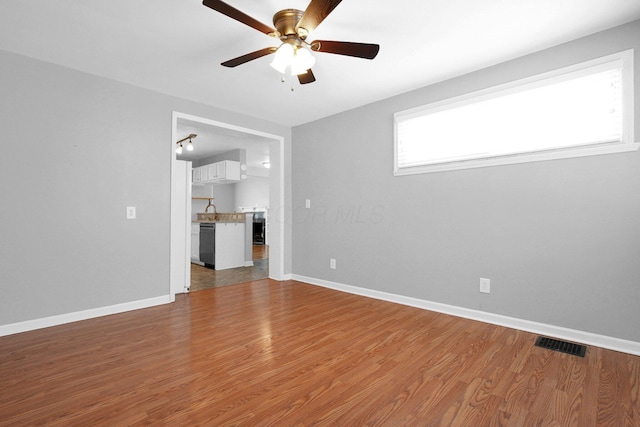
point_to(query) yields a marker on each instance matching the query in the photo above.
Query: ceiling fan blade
(360, 50)
(249, 57)
(308, 77)
(315, 13)
(234, 13)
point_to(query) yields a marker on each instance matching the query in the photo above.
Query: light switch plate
(485, 286)
(307, 203)
(131, 212)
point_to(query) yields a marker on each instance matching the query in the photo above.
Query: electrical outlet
(332, 264)
(485, 286)
(131, 212)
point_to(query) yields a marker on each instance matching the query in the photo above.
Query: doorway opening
(257, 194)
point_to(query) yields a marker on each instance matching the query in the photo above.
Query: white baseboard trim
(611, 343)
(281, 279)
(248, 263)
(45, 322)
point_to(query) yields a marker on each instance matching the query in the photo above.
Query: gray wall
(560, 240)
(79, 149)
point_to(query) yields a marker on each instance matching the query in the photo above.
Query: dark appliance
(258, 228)
(208, 244)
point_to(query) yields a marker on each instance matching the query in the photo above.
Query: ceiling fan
(292, 27)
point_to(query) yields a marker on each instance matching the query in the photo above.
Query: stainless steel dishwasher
(208, 244)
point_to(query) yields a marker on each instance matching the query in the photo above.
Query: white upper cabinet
(224, 172)
(200, 175)
(212, 171)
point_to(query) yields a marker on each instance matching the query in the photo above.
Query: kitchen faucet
(211, 205)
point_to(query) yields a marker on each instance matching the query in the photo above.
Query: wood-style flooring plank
(266, 353)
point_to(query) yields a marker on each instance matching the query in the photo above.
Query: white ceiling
(175, 47)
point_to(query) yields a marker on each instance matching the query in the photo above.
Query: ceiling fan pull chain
(283, 79)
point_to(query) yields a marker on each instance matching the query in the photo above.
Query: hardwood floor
(288, 354)
(260, 252)
(206, 278)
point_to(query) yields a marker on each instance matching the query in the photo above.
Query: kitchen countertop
(223, 217)
(206, 221)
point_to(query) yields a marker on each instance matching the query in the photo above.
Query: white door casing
(180, 274)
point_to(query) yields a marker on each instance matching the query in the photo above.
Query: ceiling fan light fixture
(292, 27)
(302, 61)
(297, 58)
(283, 58)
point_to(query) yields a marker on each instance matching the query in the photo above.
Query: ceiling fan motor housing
(286, 21)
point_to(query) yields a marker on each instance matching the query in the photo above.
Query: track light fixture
(189, 144)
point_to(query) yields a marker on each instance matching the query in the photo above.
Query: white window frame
(626, 144)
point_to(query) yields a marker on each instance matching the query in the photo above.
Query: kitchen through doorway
(247, 194)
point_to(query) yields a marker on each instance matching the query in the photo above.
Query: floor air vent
(561, 346)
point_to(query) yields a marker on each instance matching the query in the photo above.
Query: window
(585, 109)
